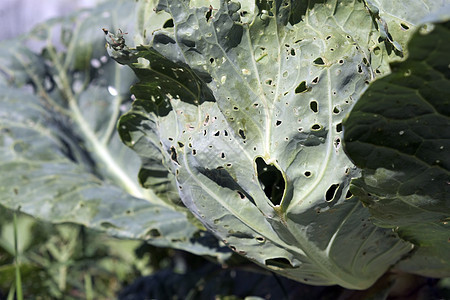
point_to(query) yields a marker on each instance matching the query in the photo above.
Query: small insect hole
(301, 88)
(337, 143)
(360, 69)
(242, 134)
(168, 24)
(307, 173)
(316, 127)
(315, 80)
(348, 195)
(314, 106)
(278, 123)
(260, 239)
(336, 110)
(319, 61)
(173, 155)
(339, 127)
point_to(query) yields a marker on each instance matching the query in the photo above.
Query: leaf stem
(19, 294)
(116, 110)
(98, 148)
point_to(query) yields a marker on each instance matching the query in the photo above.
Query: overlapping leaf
(246, 106)
(399, 134)
(60, 156)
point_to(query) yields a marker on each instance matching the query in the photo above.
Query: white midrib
(100, 149)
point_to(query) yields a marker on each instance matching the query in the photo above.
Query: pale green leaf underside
(60, 156)
(243, 92)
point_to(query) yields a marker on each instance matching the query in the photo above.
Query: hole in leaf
(278, 123)
(301, 87)
(339, 127)
(314, 106)
(241, 195)
(180, 144)
(153, 233)
(360, 69)
(173, 154)
(242, 134)
(168, 24)
(260, 239)
(348, 195)
(307, 173)
(331, 192)
(337, 143)
(217, 133)
(292, 52)
(211, 60)
(376, 50)
(315, 80)
(279, 262)
(336, 110)
(404, 26)
(341, 61)
(319, 61)
(316, 127)
(271, 180)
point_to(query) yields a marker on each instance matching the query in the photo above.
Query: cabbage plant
(265, 123)
(244, 105)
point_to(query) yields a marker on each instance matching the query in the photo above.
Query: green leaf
(60, 156)
(398, 133)
(246, 107)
